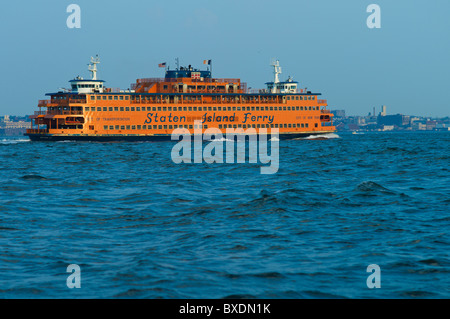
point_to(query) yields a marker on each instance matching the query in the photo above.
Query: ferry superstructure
(153, 107)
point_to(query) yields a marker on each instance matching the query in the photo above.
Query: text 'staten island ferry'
(154, 107)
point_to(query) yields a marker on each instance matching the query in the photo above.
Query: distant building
(397, 120)
(360, 120)
(338, 113)
(431, 125)
(418, 126)
(18, 124)
(383, 110)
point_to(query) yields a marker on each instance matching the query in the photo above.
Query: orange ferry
(154, 107)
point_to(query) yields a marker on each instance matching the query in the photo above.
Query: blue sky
(324, 44)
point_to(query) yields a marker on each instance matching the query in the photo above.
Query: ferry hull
(143, 138)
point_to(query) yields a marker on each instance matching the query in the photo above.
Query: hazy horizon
(325, 45)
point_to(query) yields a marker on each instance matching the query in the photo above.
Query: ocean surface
(140, 226)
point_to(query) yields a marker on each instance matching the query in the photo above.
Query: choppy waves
(140, 226)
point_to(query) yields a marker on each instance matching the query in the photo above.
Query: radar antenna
(93, 66)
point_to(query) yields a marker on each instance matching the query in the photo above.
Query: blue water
(140, 226)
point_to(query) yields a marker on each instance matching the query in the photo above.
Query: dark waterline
(141, 226)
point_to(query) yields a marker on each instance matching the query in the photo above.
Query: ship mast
(276, 72)
(93, 66)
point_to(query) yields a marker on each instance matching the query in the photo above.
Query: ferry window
(133, 127)
(104, 97)
(266, 108)
(301, 97)
(276, 125)
(209, 108)
(121, 109)
(220, 125)
(154, 127)
(110, 109)
(120, 97)
(159, 108)
(99, 108)
(271, 108)
(164, 108)
(86, 108)
(170, 127)
(154, 108)
(92, 97)
(296, 97)
(105, 109)
(214, 108)
(258, 125)
(301, 108)
(117, 127)
(165, 87)
(190, 126)
(126, 97)
(239, 108)
(306, 125)
(272, 125)
(190, 108)
(290, 125)
(234, 108)
(297, 108)
(289, 108)
(253, 108)
(109, 97)
(310, 108)
(116, 108)
(284, 108)
(160, 127)
(115, 97)
(138, 108)
(127, 108)
(122, 127)
(206, 126)
(144, 127)
(257, 108)
(315, 124)
(195, 108)
(235, 126)
(111, 127)
(128, 127)
(288, 97)
(132, 108)
(105, 127)
(313, 98)
(169, 108)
